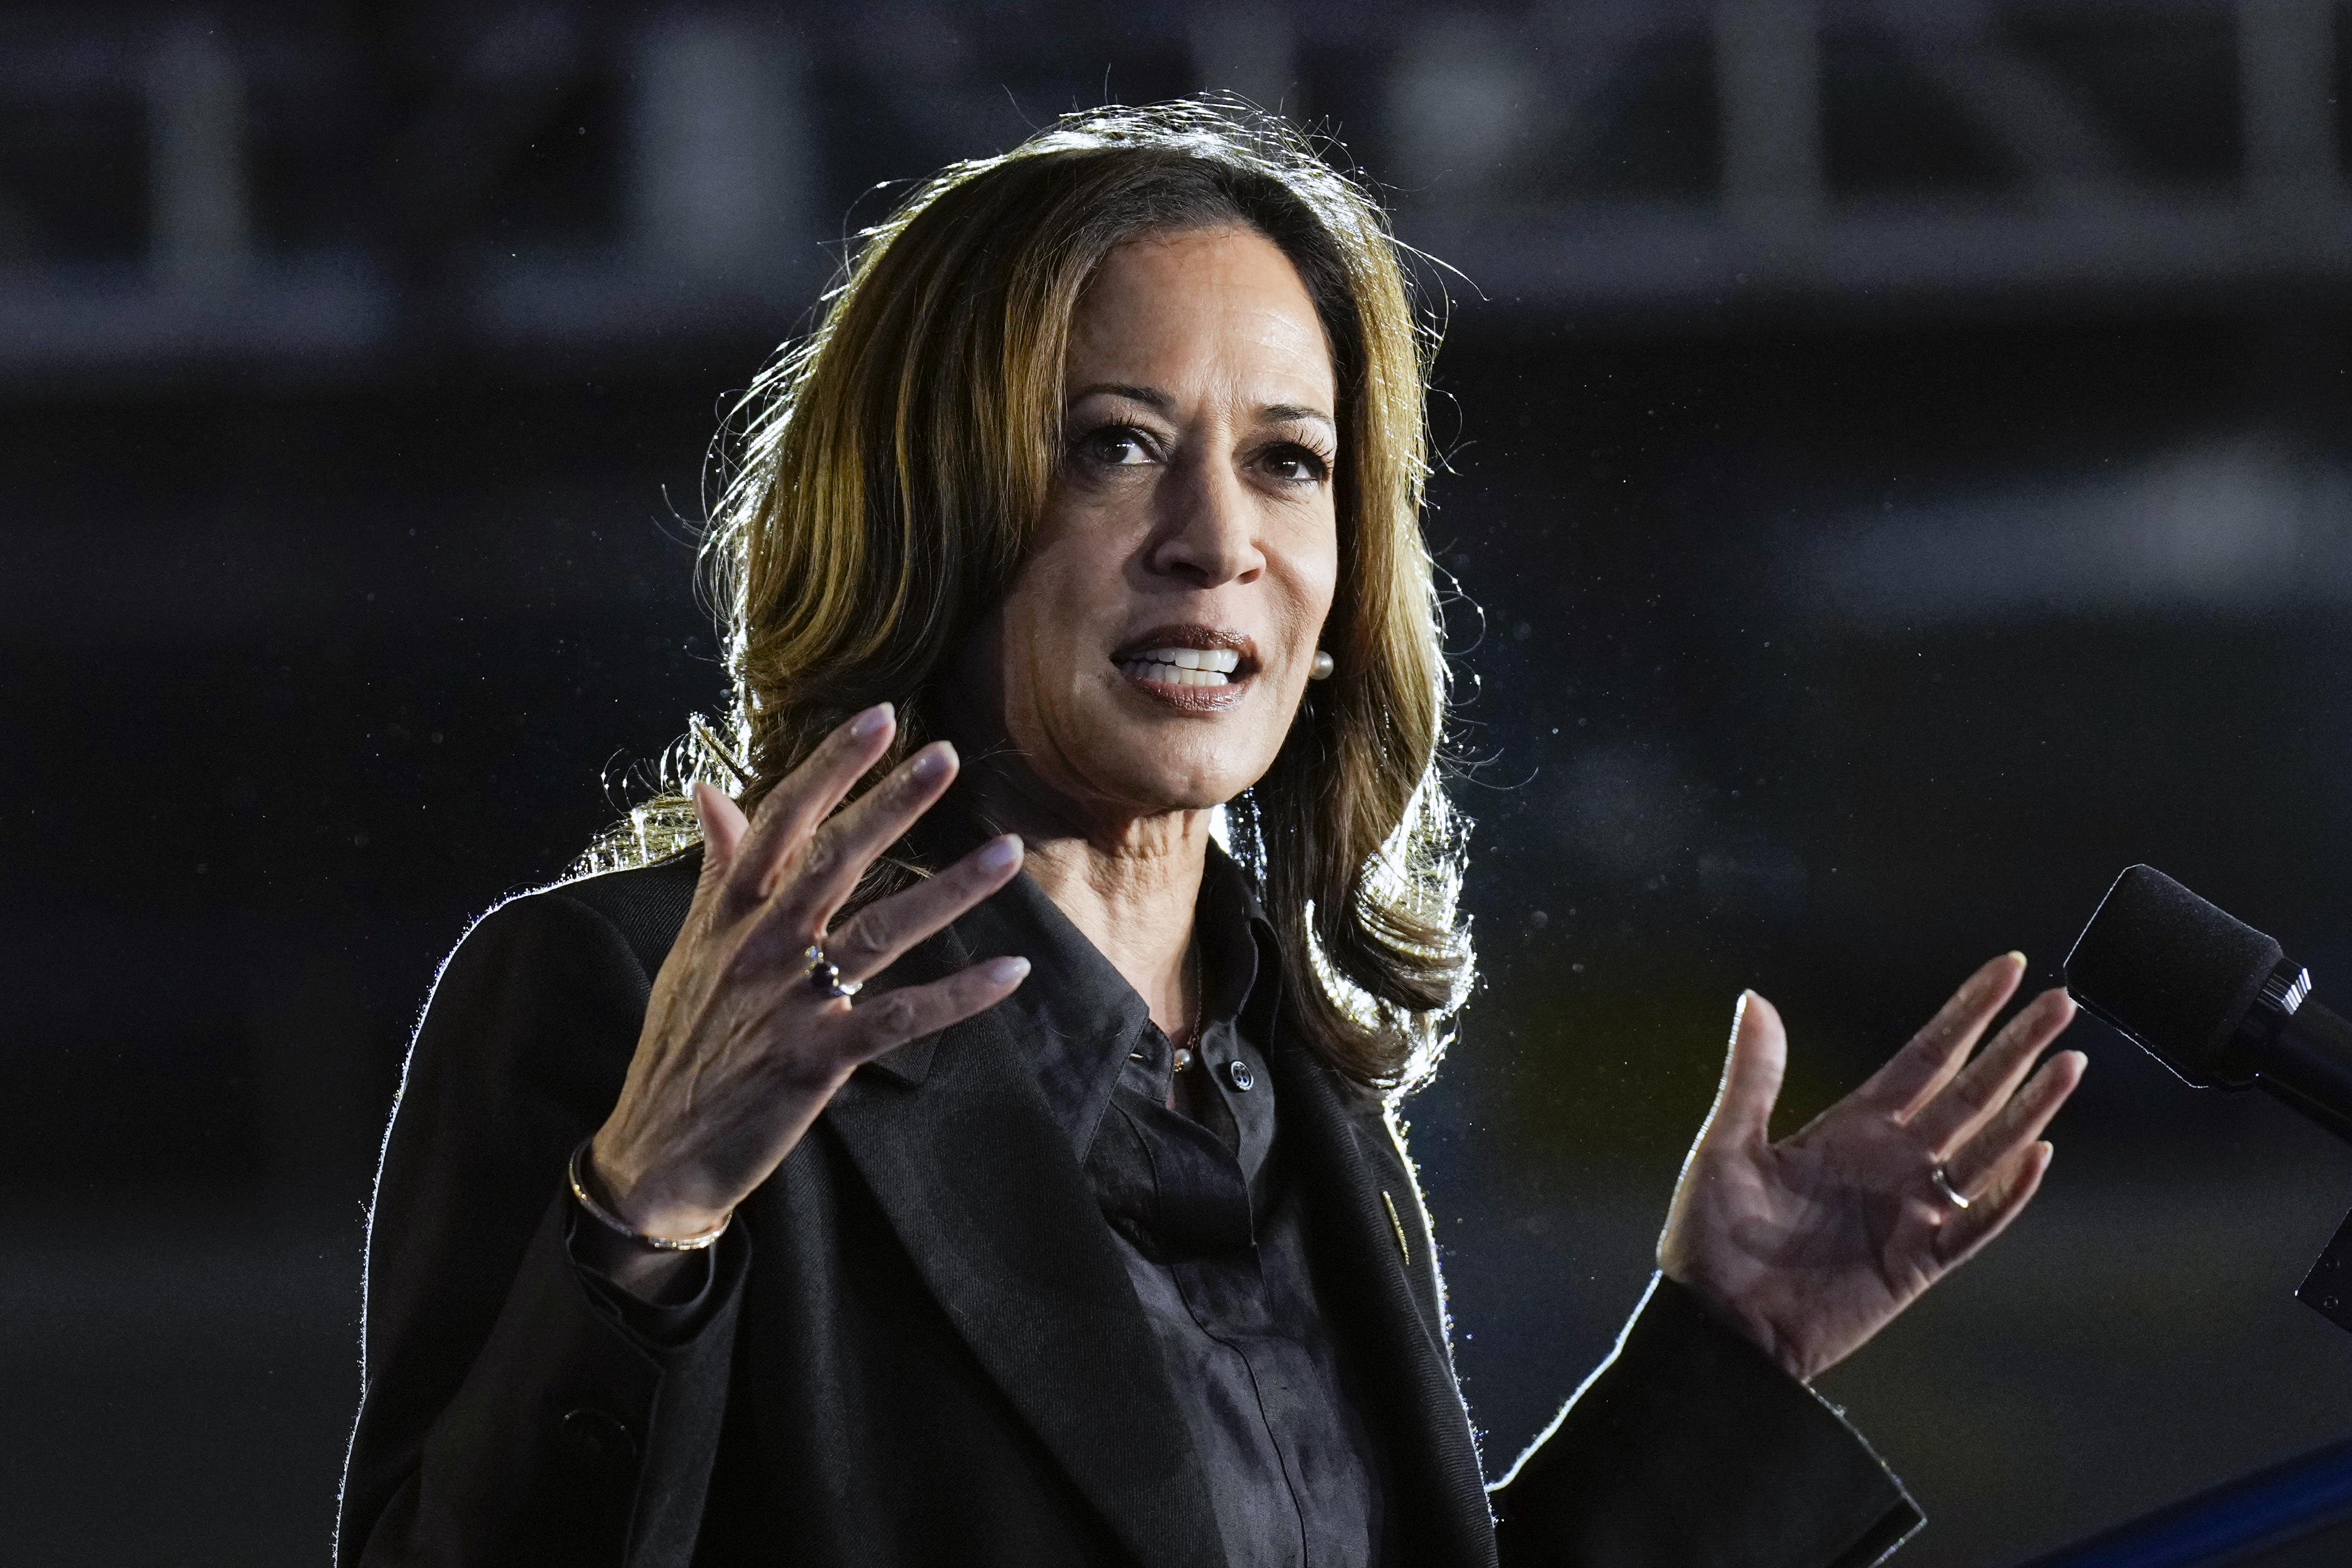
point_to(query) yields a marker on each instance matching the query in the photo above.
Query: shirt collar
(1078, 1013)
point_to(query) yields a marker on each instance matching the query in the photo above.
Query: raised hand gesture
(1810, 1246)
(742, 1044)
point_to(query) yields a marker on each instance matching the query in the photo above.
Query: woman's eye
(1117, 446)
(1297, 465)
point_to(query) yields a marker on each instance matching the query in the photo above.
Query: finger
(1752, 1068)
(2020, 1122)
(1927, 1061)
(1979, 1091)
(895, 1017)
(1964, 1232)
(872, 942)
(839, 852)
(805, 797)
(723, 826)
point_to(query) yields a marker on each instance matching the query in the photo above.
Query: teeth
(1184, 666)
(1223, 660)
(1153, 667)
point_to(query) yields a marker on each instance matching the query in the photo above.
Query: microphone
(2222, 1005)
(2210, 998)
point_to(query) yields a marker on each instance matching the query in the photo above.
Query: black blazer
(919, 1346)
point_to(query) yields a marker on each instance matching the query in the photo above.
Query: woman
(990, 1169)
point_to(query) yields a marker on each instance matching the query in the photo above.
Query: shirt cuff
(691, 1295)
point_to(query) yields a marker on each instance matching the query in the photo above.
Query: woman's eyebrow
(1297, 411)
(1151, 397)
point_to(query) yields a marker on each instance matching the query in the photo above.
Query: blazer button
(601, 1441)
(1238, 1074)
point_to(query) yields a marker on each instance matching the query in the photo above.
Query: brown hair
(891, 463)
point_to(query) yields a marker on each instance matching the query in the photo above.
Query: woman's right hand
(740, 1050)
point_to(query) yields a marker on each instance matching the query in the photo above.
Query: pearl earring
(1322, 667)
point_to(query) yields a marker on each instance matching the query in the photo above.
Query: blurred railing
(265, 189)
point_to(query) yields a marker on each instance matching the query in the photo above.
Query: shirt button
(599, 1440)
(1238, 1074)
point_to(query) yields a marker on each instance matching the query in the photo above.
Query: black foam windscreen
(2174, 972)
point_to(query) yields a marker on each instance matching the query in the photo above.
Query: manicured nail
(999, 856)
(931, 764)
(1004, 970)
(871, 722)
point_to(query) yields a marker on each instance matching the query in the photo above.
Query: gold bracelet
(613, 1222)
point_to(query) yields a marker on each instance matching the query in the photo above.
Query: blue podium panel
(2293, 1514)
(2330, 1546)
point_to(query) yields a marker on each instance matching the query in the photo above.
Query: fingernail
(1000, 855)
(871, 722)
(1004, 970)
(2019, 956)
(931, 763)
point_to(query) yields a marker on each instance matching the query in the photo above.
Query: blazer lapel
(957, 1142)
(1392, 1305)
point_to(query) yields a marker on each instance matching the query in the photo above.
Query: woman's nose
(1208, 532)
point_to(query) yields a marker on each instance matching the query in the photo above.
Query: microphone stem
(2309, 1064)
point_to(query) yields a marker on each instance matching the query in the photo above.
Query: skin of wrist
(638, 1203)
(643, 1271)
(1750, 1326)
(640, 1270)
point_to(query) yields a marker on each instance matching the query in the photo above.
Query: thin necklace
(1192, 1031)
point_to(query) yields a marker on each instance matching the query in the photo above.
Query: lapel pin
(1389, 1204)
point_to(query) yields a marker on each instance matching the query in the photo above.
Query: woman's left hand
(1810, 1246)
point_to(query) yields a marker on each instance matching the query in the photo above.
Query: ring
(828, 981)
(1944, 1185)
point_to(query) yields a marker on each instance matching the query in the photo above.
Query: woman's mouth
(1198, 670)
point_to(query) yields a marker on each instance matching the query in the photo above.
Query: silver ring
(828, 981)
(1944, 1185)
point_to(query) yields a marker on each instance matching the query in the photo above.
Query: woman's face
(1155, 646)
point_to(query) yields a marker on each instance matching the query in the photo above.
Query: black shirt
(1211, 1227)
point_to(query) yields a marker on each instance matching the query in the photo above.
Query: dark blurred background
(1898, 474)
